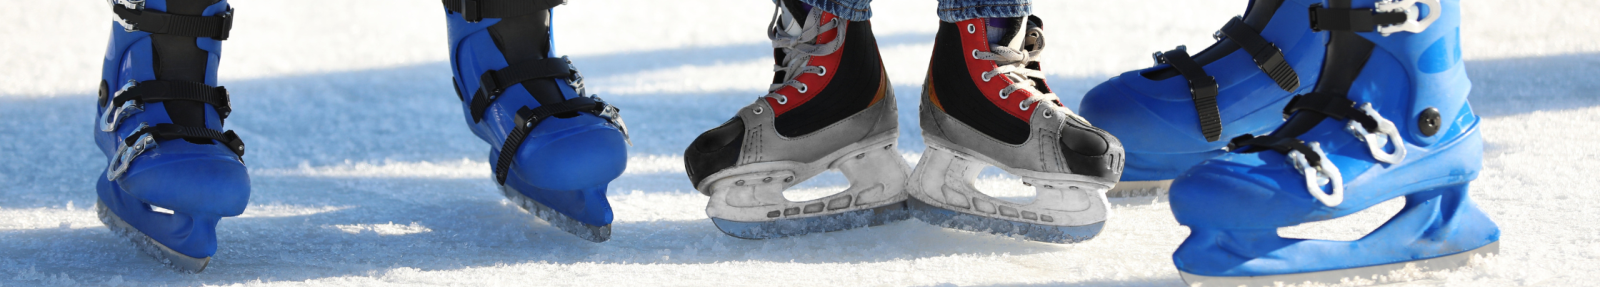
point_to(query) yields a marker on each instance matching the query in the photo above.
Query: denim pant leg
(853, 10)
(959, 10)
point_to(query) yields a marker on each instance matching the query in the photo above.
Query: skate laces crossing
(1013, 64)
(798, 48)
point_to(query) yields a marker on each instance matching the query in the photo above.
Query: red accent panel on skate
(979, 40)
(814, 83)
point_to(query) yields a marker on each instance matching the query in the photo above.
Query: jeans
(949, 10)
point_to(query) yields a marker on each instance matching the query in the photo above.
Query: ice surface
(364, 173)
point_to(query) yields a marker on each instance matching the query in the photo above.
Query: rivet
(740, 182)
(769, 179)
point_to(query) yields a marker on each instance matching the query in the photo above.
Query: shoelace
(798, 49)
(1013, 63)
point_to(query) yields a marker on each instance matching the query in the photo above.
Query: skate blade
(1144, 188)
(1335, 276)
(1031, 231)
(588, 232)
(815, 224)
(149, 246)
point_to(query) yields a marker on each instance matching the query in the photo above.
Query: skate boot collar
(1387, 17)
(474, 11)
(133, 16)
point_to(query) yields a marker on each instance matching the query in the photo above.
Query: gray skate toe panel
(149, 246)
(815, 224)
(1337, 276)
(1031, 231)
(586, 231)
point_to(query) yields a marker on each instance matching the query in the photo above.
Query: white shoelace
(1013, 63)
(798, 48)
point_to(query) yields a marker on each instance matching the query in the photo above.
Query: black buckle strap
(475, 10)
(1202, 88)
(1267, 56)
(1331, 105)
(494, 82)
(157, 22)
(1353, 20)
(527, 119)
(1276, 143)
(161, 91)
(173, 131)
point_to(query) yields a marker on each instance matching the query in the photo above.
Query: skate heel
(1064, 211)
(752, 205)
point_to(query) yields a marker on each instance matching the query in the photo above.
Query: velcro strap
(173, 131)
(1353, 20)
(476, 10)
(160, 91)
(157, 22)
(494, 82)
(1275, 143)
(527, 119)
(1332, 105)
(1266, 55)
(1202, 88)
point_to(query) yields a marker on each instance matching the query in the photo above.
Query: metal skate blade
(1031, 231)
(588, 232)
(1334, 276)
(1139, 188)
(149, 246)
(815, 224)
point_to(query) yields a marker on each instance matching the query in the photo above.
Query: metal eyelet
(1023, 105)
(824, 71)
(783, 100)
(971, 29)
(974, 54)
(1004, 95)
(758, 110)
(986, 77)
(802, 89)
(1049, 115)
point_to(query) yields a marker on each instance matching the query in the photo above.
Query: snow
(365, 175)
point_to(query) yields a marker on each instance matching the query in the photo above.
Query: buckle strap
(475, 10)
(157, 22)
(494, 82)
(1332, 105)
(173, 131)
(1267, 56)
(1354, 20)
(1202, 88)
(162, 90)
(1251, 143)
(527, 119)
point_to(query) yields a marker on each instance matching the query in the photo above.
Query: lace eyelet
(986, 77)
(1004, 95)
(784, 100)
(1049, 115)
(824, 71)
(971, 29)
(1022, 105)
(758, 110)
(802, 89)
(975, 54)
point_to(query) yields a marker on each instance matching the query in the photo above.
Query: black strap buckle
(470, 12)
(1266, 55)
(1202, 88)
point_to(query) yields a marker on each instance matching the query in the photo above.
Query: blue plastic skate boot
(1182, 111)
(173, 171)
(1388, 118)
(553, 149)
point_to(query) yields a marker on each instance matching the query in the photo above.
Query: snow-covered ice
(364, 173)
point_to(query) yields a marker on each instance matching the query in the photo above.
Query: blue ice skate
(1182, 111)
(173, 172)
(554, 150)
(1388, 118)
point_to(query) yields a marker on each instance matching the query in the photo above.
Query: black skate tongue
(795, 14)
(1016, 35)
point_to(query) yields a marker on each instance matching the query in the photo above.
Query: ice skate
(553, 149)
(987, 104)
(1388, 118)
(1183, 110)
(830, 106)
(173, 171)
